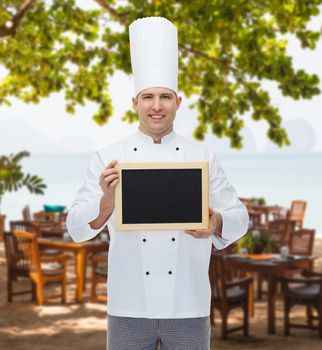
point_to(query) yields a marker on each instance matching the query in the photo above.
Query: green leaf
(226, 50)
(12, 177)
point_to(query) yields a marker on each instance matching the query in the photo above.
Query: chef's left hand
(215, 226)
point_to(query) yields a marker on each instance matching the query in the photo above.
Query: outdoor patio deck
(24, 325)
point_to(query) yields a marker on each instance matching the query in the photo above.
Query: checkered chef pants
(128, 333)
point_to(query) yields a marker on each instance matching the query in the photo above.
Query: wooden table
(80, 250)
(271, 268)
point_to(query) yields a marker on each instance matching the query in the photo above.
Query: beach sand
(26, 326)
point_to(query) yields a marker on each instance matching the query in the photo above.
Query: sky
(47, 127)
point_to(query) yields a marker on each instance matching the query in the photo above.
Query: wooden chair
(24, 225)
(297, 212)
(40, 269)
(52, 224)
(301, 242)
(255, 216)
(227, 294)
(15, 270)
(26, 215)
(41, 216)
(50, 229)
(308, 292)
(277, 212)
(99, 275)
(2, 226)
(33, 227)
(279, 232)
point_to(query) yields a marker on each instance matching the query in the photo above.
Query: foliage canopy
(227, 48)
(12, 177)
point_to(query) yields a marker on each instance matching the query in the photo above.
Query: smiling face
(157, 109)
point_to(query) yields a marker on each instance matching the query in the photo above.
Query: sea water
(277, 178)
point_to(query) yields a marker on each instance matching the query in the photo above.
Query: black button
(170, 272)
(135, 149)
(173, 239)
(177, 148)
(147, 273)
(144, 240)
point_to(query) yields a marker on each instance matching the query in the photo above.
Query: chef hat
(154, 53)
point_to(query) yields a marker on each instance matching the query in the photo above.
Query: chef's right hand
(109, 178)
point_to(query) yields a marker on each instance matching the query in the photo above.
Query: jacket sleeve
(224, 199)
(85, 207)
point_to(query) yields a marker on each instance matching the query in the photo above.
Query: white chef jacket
(158, 274)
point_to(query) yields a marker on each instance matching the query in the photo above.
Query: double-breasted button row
(147, 272)
(135, 149)
(144, 239)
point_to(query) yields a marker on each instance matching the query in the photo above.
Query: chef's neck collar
(149, 139)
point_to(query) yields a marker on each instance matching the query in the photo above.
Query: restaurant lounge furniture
(227, 294)
(41, 216)
(270, 267)
(255, 216)
(52, 223)
(24, 225)
(99, 275)
(14, 270)
(26, 214)
(49, 229)
(301, 242)
(297, 212)
(279, 231)
(306, 291)
(2, 225)
(25, 256)
(80, 250)
(32, 227)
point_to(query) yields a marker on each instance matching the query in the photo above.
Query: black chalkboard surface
(162, 196)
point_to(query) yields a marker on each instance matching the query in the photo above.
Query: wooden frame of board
(196, 171)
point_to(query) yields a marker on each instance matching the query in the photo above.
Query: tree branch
(222, 62)
(11, 26)
(119, 17)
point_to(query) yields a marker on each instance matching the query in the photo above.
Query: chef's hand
(109, 178)
(215, 226)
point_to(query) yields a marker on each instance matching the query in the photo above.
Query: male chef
(158, 285)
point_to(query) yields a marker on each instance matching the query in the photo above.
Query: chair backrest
(297, 212)
(276, 212)
(14, 264)
(302, 242)
(10, 249)
(27, 254)
(26, 215)
(50, 220)
(2, 226)
(41, 216)
(26, 226)
(280, 230)
(50, 229)
(255, 217)
(217, 276)
(247, 202)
